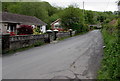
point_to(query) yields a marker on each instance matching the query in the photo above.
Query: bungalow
(57, 25)
(10, 22)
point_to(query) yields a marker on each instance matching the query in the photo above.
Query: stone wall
(63, 34)
(24, 41)
(21, 41)
(5, 42)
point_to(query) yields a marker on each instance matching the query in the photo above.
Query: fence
(20, 41)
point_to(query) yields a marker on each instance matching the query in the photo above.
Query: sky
(94, 5)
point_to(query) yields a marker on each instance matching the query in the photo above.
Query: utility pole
(83, 5)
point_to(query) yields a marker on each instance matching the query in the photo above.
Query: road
(75, 57)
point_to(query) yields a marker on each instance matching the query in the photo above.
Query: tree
(72, 18)
(42, 10)
(90, 17)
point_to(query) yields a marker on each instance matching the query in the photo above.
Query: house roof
(17, 18)
(55, 21)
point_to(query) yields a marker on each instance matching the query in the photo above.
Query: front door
(11, 27)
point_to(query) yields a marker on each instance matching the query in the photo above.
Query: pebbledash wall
(21, 41)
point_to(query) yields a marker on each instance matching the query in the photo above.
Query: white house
(10, 22)
(57, 25)
(43, 28)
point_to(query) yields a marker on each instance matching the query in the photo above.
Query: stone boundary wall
(63, 34)
(17, 42)
(21, 41)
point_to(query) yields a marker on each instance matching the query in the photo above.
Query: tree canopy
(71, 17)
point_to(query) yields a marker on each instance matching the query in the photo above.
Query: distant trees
(90, 17)
(101, 18)
(71, 17)
(118, 3)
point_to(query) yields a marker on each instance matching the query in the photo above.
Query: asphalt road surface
(75, 58)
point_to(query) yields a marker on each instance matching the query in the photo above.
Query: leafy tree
(90, 17)
(72, 18)
(41, 10)
(101, 18)
(109, 12)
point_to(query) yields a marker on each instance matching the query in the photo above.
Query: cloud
(95, 5)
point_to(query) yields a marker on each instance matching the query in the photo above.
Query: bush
(24, 30)
(111, 62)
(37, 31)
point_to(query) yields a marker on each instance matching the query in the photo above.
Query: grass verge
(63, 38)
(72, 36)
(110, 68)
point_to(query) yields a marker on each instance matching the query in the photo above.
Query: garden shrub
(25, 29)
(36, 31)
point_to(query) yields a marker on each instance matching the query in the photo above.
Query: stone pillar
(49, 32)
(5, 43)
(70, 30)
(55, 34)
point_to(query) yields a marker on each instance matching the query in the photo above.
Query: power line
(107, 4)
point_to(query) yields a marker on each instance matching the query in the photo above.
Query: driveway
(75, 57)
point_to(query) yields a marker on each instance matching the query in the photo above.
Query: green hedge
(110, 68)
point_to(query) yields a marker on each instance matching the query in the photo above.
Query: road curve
(75, 57)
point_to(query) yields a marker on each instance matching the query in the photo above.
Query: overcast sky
(95, 5)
